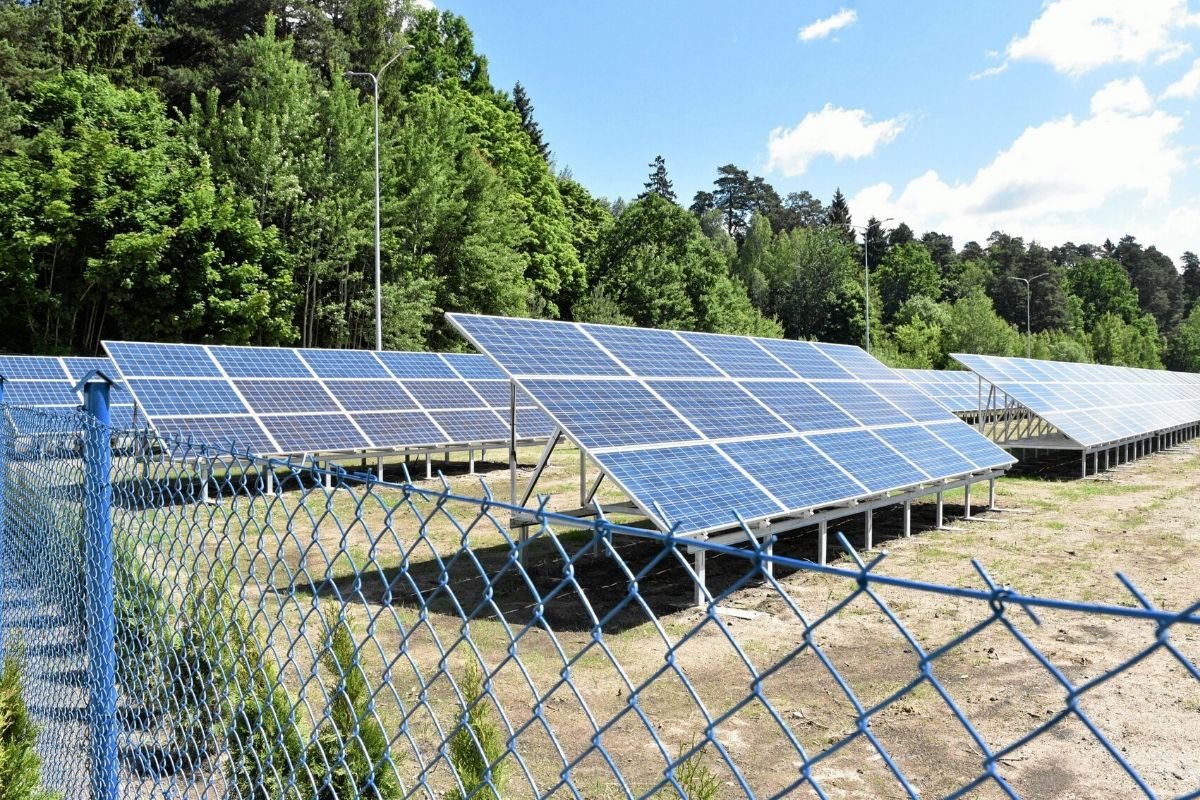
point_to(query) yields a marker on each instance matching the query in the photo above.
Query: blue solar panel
(444, 394)
(719, 410)
(738, 356)
(404, 429)
(924, 448)
(793, 471)
(40, 393)
(472, 426)
(314, 433)
(979, 450)
(242, 432)
(869, 460)
(669, 476)
(260, 362)
(78, 366)
(800, 405)
(370, 395)
(524, 349)
(136, 359)
(805, 359)
(416, 365)
(668, 445)
(496, 393)
(652, 353)
(343, 363)
(473, 367)
(605, 413)
(31, 368)
(285, 396)
(865, 405)
(169, 397)
(532, 423)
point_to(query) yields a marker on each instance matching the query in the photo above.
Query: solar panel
(293, 401)
(694, 427)
(1093, 404)
(48, 383)
(954, 389)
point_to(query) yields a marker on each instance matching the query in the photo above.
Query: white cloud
(1077, 36)
(989, 72)
(1186, 87)
(1118, 96)
(823, 27)
(838, 132)
(1065, 179)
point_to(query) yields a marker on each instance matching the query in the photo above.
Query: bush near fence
(377, 640)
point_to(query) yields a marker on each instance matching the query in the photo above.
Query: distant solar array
(1094, 404)
(48, 383)
(295, 401)
(692, 426)
(956, 389)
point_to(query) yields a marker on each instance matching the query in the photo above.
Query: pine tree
(528, 123)
(838, 216)
(658, 182)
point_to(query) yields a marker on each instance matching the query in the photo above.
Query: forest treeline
(202, 170)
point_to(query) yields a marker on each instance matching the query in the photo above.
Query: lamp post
(867, 274)
(1028, 294)
(375, 78)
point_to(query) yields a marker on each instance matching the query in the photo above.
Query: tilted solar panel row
(956, 389)
(1094, 404)
(692, 426)
(294, 401)
(48, 383)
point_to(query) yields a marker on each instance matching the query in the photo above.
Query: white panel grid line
(323, 383)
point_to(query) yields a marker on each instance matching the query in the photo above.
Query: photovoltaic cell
(869, 460)
(30, 368)
(40, 393)
(651, 353)
(980, 450)
(243, 433)
(668, 475)
(322, 402)
(744, 428)
(610, 413)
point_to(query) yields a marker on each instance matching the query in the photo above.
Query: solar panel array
(294, 401)
(956, 389)
(694, 426)
(48, 383)
(1094, 404)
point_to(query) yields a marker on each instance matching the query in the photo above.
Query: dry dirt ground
(779, 678)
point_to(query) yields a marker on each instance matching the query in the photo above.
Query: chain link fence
(196, 623)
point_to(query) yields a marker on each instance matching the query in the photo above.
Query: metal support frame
(907, 518)
(823, 542)
(701, 576)
(99, 583)
(967, 501)
(869, 529)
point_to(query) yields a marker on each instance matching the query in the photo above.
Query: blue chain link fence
(193, 624)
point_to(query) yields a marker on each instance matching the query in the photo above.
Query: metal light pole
(375, 78)
(1028, 294)
(867, 274)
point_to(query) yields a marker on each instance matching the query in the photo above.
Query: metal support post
(428, 465)
(379, 467)
(822, 542)
(512, 441)
(940, 506)
(701, 578)
(98, 580)
(769, 568)
(470, 462)
(328, 474)
(268, 479)
(205, 476)
(869, 530)
(991, 494)
(1084, 463)
(967, 501)
(907, 518)
(583, 487)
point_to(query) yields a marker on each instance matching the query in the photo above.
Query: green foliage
(696, 780)
(20, 766)
(1183, 353)
(973, 326)
(477, 747)
(906, 272)
(1102, 288)
(1128, 344)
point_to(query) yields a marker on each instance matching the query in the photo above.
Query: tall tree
(659, 183)
(906, 272)
(875, 242)
(838, 217)
(524, 107)
(1191, 279)
(800, 210)
(1153, 275)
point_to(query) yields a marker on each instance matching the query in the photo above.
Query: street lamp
(1028, 294)
(867, 272)
(375, 78)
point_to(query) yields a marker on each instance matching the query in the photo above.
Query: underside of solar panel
(705, 431)
(272, 401)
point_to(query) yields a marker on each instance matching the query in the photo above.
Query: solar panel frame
(622, 419)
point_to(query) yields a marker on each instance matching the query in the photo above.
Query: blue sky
(1064, 120)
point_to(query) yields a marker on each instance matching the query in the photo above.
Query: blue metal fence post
(98, 581)
(4, 576)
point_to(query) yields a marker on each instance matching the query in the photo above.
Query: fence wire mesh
(285, 632)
